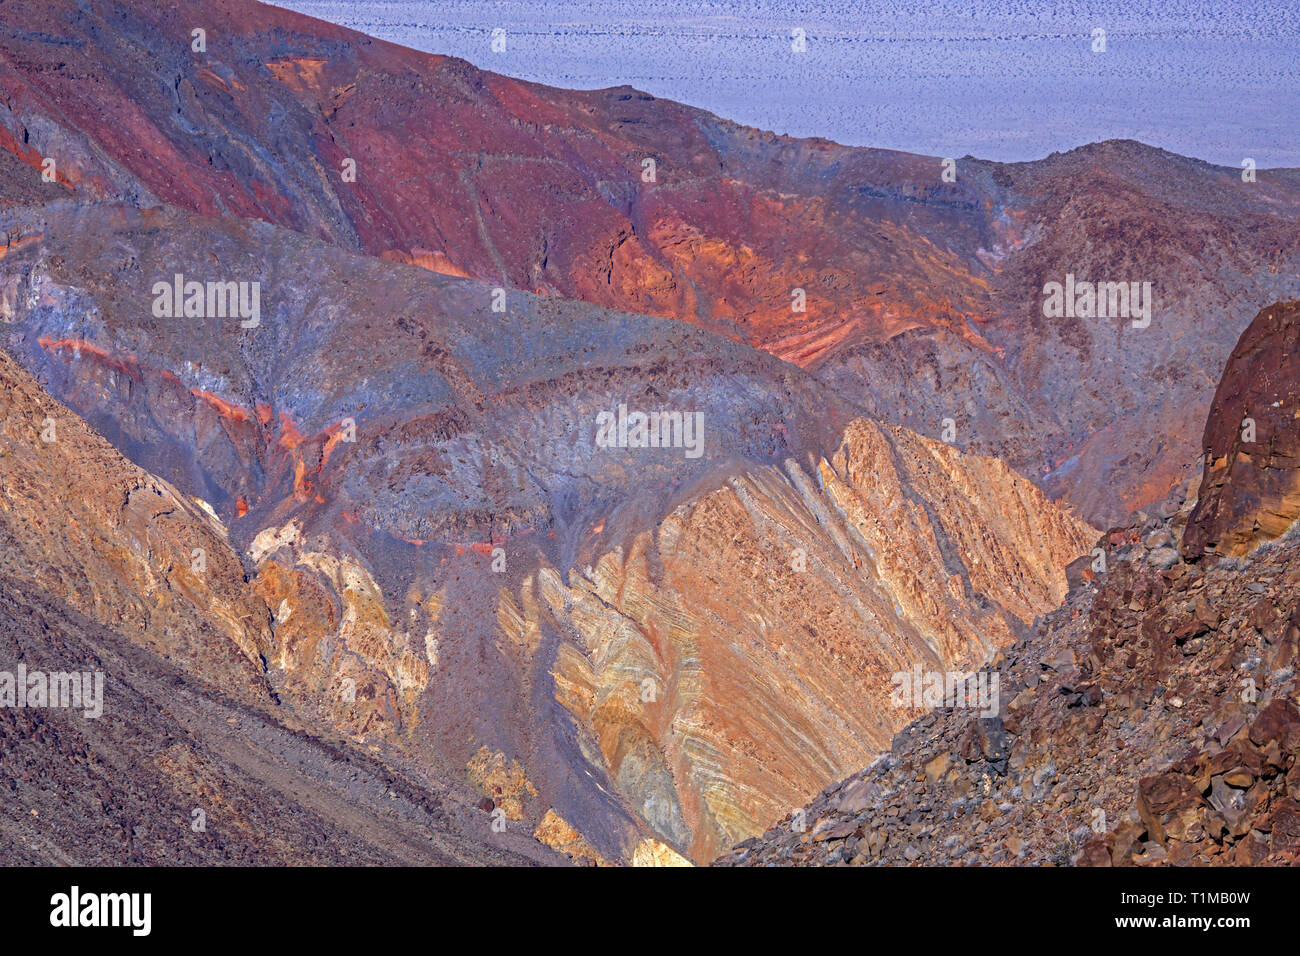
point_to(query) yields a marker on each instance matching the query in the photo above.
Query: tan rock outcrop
(121, 545)
(740, 657)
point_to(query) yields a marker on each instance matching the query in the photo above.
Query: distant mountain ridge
(904, 277)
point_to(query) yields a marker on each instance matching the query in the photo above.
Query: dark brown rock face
(1251, 489)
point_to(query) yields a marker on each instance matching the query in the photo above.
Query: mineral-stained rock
(1136, 788)
(121, 545)
(170, 751)
(918, 301)
(674, 648)
(106, 569)
(1169, 805)
(415, 540)
(744, 639)
(558, 835)
(651, 852)
(503, 781)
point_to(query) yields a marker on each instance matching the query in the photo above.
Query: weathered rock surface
(1150, 720)
(745, 647)
(636, 654)
(194, 758)
(766, 589)
(177, 773)
(121, 545)
(1250, 492)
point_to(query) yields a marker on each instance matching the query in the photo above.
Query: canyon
(765, 590)
(364, 534)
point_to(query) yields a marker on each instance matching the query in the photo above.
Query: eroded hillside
(653, 648)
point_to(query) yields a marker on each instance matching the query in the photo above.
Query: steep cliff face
(918, 299)
(1250, 492)
(453, 569)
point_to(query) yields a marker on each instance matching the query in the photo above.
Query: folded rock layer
(659, 649)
